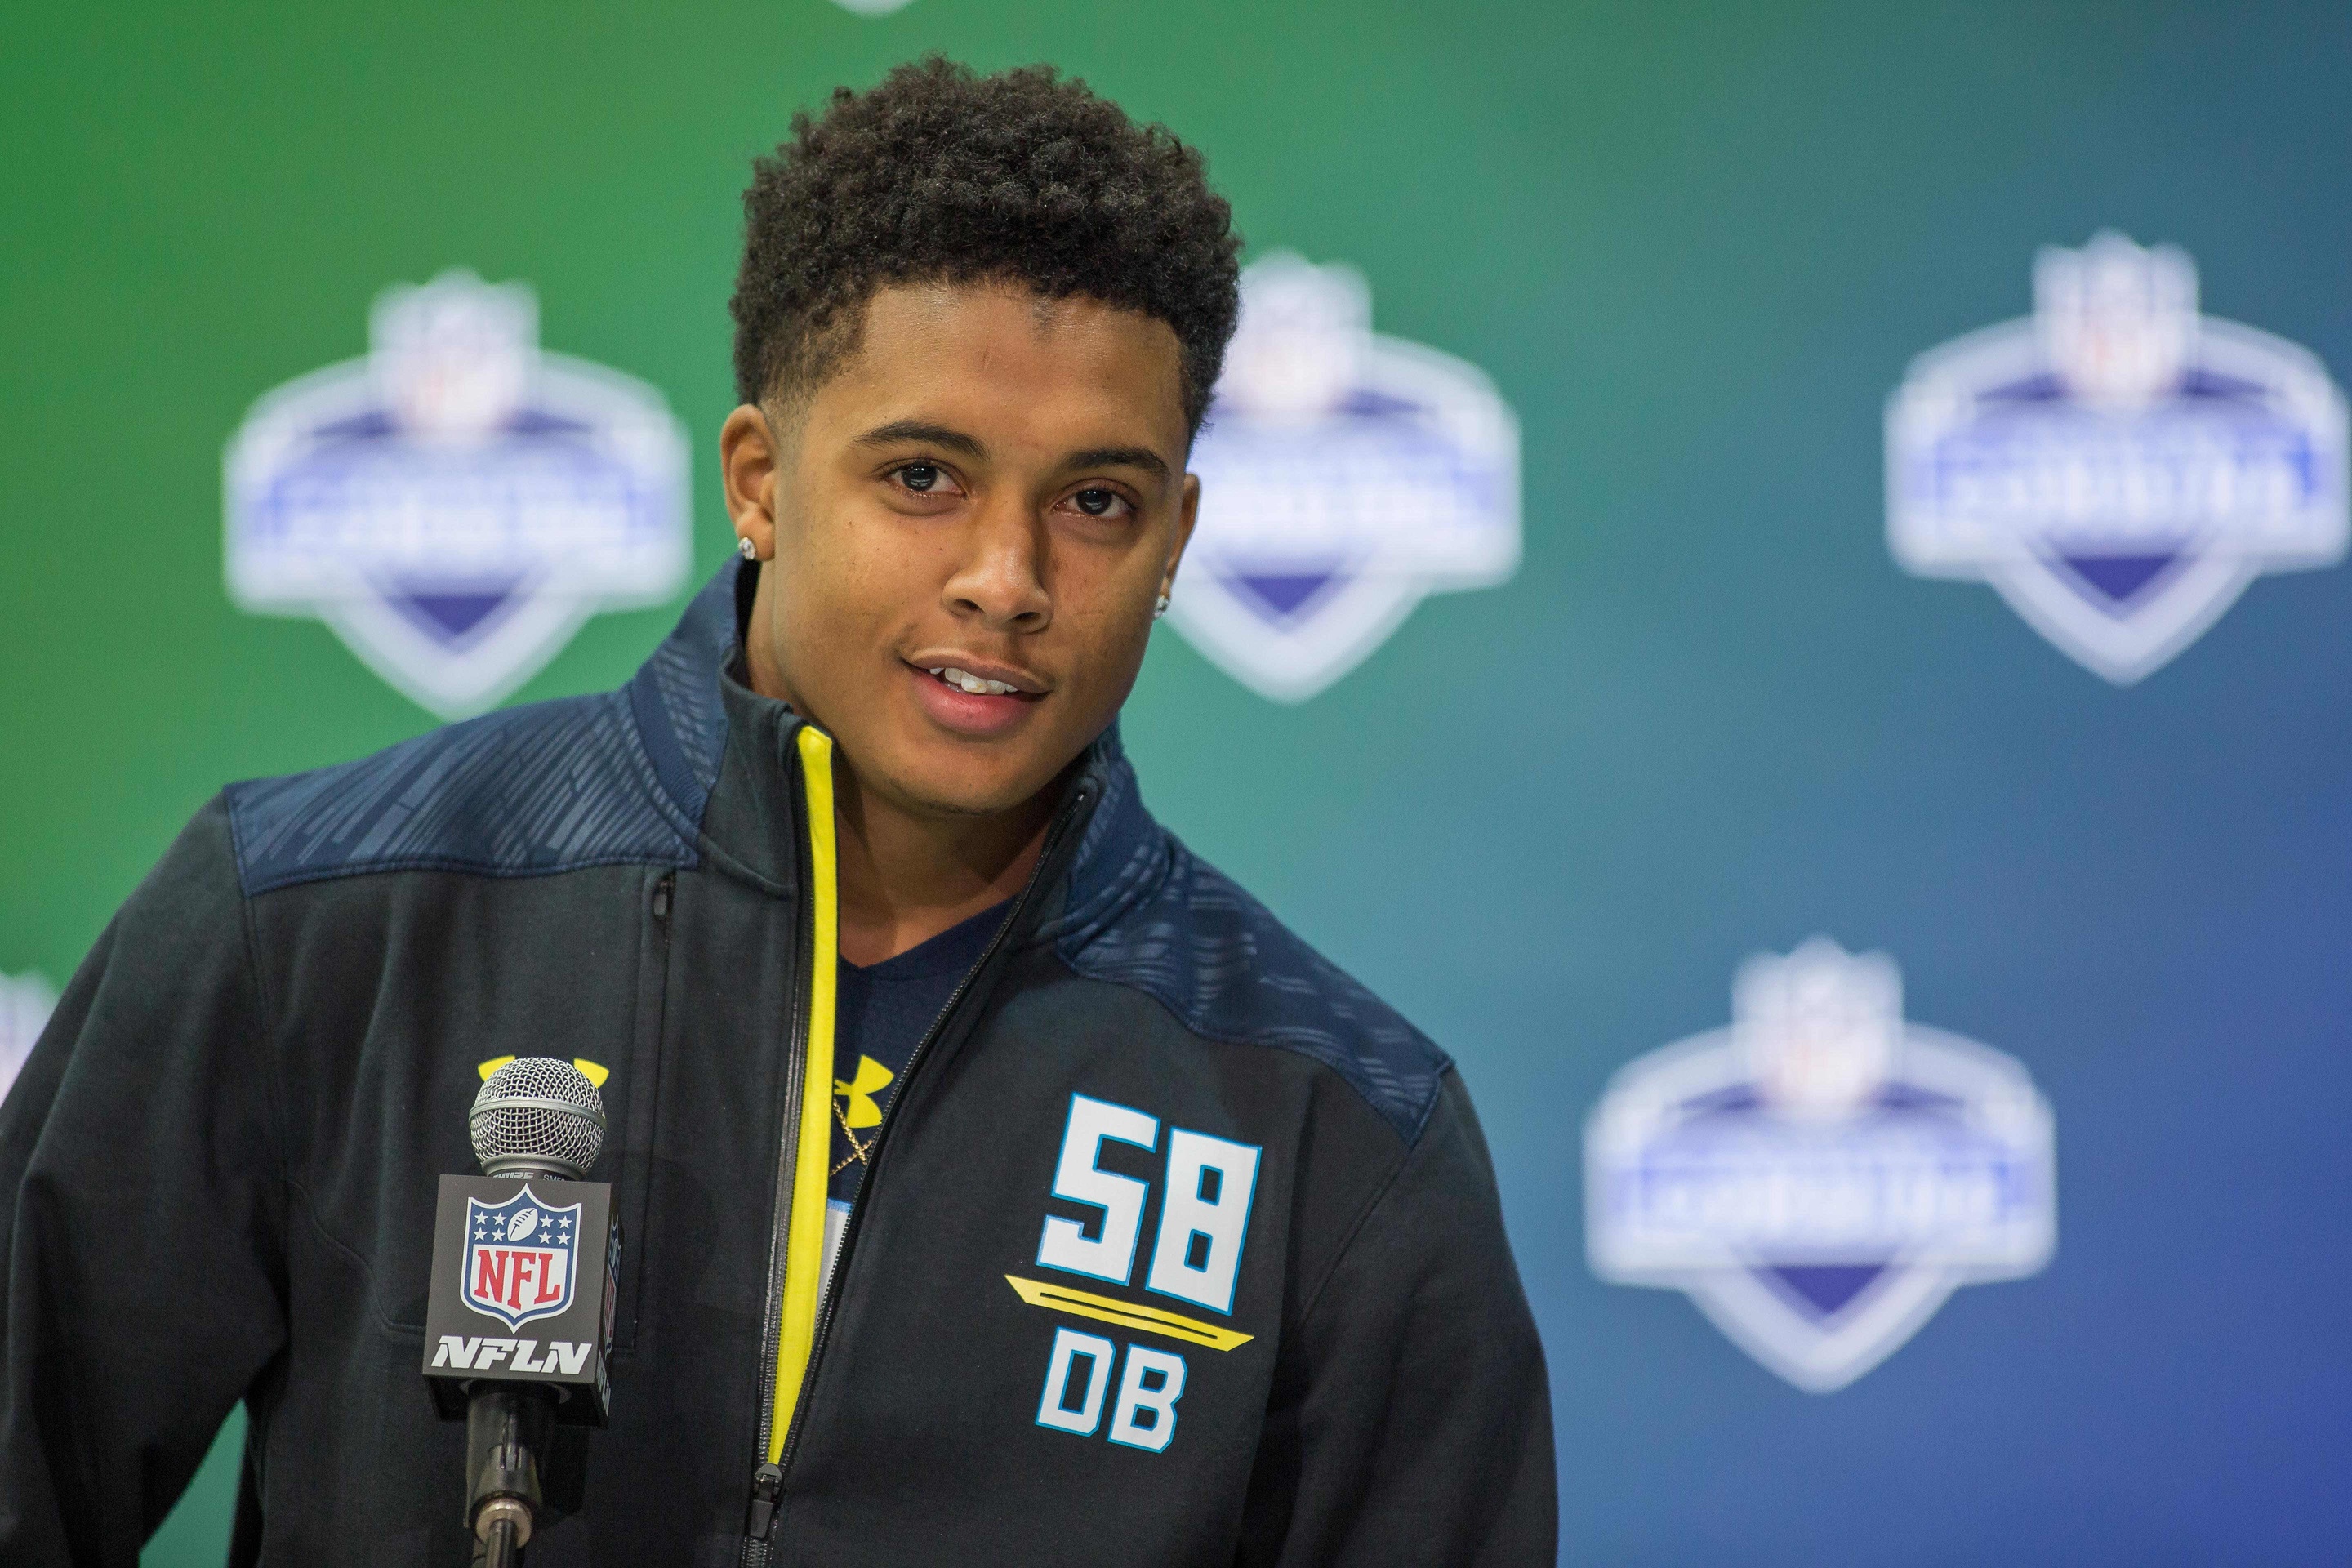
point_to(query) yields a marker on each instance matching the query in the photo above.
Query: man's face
(967, 524)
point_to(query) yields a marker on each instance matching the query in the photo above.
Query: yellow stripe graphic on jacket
(1126, 1314)
(594, 1072)
(804, 1241)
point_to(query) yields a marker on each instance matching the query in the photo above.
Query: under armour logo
(859, 1092)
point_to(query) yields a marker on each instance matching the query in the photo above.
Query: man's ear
(750, 463)
(1188, 512)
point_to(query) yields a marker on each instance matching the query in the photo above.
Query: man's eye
(920, 476)
(1097, 503)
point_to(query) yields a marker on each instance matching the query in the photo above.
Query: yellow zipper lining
(804, 1239)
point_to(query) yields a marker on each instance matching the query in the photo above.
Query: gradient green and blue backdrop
(1695, 245)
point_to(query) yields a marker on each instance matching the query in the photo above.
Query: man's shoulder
(531, 790)
(1219, 960)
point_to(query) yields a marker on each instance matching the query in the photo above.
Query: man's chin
(953, 787)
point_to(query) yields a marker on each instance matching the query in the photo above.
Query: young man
(1143, 1234)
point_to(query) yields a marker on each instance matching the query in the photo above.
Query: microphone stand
(536, 1119)
(506, 1428)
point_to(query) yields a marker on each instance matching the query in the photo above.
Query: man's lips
(974, 696)
(979, 677)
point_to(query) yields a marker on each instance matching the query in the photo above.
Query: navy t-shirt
(881, 1013)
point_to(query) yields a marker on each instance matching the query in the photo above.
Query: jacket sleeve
(1411, 1418)
(141, 1213)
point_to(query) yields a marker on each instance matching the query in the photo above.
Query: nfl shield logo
(2117, 466)
(1344, 477)
(1821, 1176)
(519, 1257)
(457, 504)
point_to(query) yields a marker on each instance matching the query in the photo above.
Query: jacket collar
(702, 728)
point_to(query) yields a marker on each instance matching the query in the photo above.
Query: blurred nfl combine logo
(2118, 466)
(25, 1002)
(1344, 477)
(457, 504)
(1820, 1176)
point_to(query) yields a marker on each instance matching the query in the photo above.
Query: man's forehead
(1005, 352)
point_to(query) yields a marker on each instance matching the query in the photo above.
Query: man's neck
(907, 876)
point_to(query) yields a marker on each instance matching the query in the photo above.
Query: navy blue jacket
(1178, 1246)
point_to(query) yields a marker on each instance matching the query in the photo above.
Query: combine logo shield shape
(25, 1002)
(1344, 477)
(457, 504)
(1820, 1176)
(520, 1257)
(2117, 466)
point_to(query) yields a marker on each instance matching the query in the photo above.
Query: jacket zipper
(768, 1481)
(806, 1083)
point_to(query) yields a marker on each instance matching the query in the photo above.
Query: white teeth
(965, 680)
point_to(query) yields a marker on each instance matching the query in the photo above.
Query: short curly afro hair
(940, 174)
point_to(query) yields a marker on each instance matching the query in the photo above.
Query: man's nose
(1003, 578)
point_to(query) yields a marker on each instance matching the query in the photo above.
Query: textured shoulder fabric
(675, 696)
(550, 788)
(1147, 912)
(615, 778)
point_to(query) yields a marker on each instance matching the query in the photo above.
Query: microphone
(527, 1244)
(537, 1116)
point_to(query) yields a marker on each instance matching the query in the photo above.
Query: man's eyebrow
(904, 430)
(1143, 457)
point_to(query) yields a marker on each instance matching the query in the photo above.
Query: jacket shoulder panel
(1220, 961)
(531, 790)
(674, 697)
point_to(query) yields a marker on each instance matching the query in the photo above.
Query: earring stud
(747, 549)
(1160, 608)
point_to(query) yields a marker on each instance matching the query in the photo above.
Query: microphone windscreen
(537, 1112)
